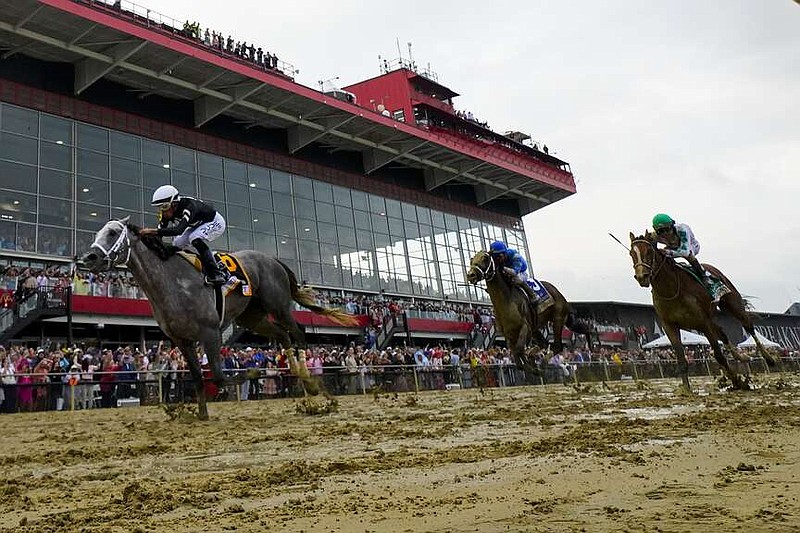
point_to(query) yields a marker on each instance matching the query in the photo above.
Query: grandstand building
(383, 188)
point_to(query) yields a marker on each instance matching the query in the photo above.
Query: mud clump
(314, 406)
(180, 412)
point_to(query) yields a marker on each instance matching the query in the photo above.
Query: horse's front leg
(674, 335)
(197, 378)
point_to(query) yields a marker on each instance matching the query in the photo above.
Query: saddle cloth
(545, 300)
(233, 269)
(715, 286)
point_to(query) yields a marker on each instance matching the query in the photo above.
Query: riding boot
(213, 274)
(701, 273)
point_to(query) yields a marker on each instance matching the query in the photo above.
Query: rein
(654, 272)
(112, 254)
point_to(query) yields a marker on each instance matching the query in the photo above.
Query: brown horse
(512, 311)
(681, 302)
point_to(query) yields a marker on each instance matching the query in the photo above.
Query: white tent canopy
(749, 342)
(687, 339)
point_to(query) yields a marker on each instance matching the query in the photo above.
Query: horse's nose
(87, 259)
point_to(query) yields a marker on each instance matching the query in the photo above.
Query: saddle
(231, 268)
(545, 300)
(716, 287)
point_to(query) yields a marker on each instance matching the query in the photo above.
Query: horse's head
(111, 247)
(643, 252)
(481, 267)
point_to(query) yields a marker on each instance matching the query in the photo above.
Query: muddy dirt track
(517, 459)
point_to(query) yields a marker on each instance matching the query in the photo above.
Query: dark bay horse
(184, 306)
(681, 302)
(511, 310)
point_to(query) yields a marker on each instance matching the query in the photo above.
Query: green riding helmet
(662, 221)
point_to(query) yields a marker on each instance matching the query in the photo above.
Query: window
(362, 220)
(123, 145)
(281, 182)
(91, 217)
(18, 148)
(124, 170)
(323, 192)
(184, 182)
(19, 120)
(239, 217)
(17, 206)
(56, 129)
(240, 239)
(125, 196)
(54, 241)
(309, 251)
(92, 190)
(55, 183)
(181, 159)
(155, 153)
(135, 216)
(260, 198)
(263, 221)
(303, 187)
(209, 165)
(284, 226)
(393, 209)
(153, 176)
(56, 156)
(325, 213)
(399, 114)
(307, 229)
(360, 200)
(235, 171)
(212, 190)
(92, 164)
(341, 197)
(265, 243)
(237, 193)
(282, 203)
(311, 272)
(287, 248)
(92, 138)
(344, 217)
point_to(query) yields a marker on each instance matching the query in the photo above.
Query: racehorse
(184, 306)
(512, 311)
(681, 302)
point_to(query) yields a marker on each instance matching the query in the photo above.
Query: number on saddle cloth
(538, 288)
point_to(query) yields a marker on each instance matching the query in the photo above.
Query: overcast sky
(687, 107)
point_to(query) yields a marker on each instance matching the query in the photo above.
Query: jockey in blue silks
(514, 266)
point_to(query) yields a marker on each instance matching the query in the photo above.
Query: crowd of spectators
(56, 378)
(209, 38)
(468, 116)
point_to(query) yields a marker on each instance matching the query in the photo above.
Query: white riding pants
(208, 231)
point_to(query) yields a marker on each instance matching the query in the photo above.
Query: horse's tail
(305, 297)
(578, 326)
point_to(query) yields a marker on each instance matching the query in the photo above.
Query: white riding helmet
(164, 196)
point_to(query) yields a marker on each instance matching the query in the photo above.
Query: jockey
(195, 225)
(514, 266)
(679, 241)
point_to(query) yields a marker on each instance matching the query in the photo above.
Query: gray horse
(184, 306)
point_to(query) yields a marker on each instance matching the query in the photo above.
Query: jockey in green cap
(679, 241)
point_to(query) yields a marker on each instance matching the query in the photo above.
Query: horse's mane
(160, 248)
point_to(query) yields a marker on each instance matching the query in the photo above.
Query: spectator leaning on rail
(196, 225)
(514, 266)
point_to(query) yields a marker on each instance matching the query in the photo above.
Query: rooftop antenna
(410, 56)
(399, 51)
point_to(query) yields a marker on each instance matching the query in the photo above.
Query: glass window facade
(60, 180)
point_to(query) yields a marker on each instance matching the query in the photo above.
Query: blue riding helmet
(498, 247)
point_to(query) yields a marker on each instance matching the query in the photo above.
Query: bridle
(489, 272)
(655, 270)
(112, 254)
